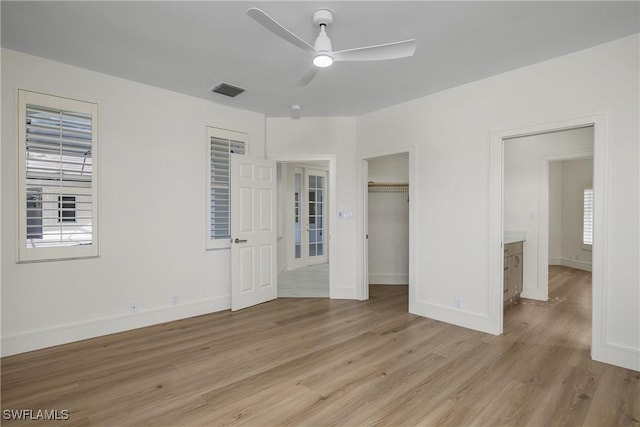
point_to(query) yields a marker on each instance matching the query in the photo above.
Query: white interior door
(253, 231)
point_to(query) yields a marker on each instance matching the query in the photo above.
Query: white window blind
(221, 144)
(66, 208)
(587, 228)
(58, 183)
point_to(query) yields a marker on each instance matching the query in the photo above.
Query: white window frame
(31, 254)
(587, 246)
(230, 135)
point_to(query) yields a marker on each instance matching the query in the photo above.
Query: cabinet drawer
(512, 249)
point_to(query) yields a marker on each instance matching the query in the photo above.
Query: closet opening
(387, 227)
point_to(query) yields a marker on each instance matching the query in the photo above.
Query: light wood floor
(319, 362)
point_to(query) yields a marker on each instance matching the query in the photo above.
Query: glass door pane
(316, 215)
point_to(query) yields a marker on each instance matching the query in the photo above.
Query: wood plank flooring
(318, 362)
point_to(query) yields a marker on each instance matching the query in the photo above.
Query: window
(57, 177)
(34, 213)
(221, 144)
(66, 208)
(587, 222)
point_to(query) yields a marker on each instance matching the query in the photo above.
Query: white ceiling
(189, 47)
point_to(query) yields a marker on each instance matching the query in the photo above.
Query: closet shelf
(388, 184)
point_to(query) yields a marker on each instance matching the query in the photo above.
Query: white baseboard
(579, 265)
(459, 317)
(388, 279)
(618, 355)
(42, 338)
(343, 293)
(535, 293)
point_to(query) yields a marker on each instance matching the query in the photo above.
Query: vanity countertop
(514, 236)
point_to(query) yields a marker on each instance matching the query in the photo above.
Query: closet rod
(388, 184)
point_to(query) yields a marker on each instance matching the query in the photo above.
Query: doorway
(498, 218)
(547, 177)
(303, 228)
(387, 212)
(527, 161)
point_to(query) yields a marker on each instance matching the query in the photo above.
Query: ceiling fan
(322, 51)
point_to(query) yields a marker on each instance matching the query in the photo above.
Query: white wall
(525, 160)
(389, 222)
(394, 168)
(452, 134)
(555, 213)
(320, 136)
(152, 218)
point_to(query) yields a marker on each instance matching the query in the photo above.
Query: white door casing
(365, 230)
(253, 231)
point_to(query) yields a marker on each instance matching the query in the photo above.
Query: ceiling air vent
(227, 89)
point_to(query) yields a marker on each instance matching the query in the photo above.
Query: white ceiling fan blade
(270, 24)
(308, 76)
(379, 52)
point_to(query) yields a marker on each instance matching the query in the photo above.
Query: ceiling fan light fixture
(322, 60)
(322, 50)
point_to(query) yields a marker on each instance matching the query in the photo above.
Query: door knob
(240, 240)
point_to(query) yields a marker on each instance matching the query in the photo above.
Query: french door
(310, 217)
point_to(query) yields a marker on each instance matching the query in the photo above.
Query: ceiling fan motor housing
(322, 17)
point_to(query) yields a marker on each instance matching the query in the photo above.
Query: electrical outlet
(133, 307)
(174, 300)
(457, 303)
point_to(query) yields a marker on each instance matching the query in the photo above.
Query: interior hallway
(307, 282)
